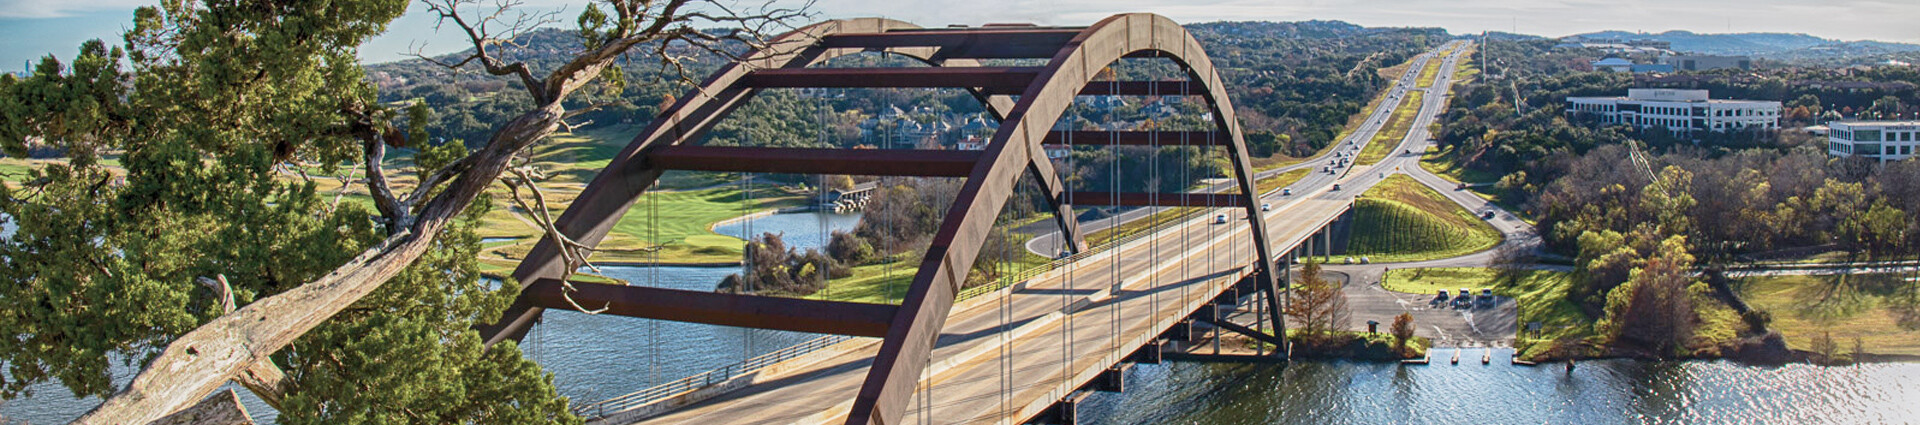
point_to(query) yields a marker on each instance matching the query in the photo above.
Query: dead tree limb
(200, 361)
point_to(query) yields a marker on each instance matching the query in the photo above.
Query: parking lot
(1446, 323)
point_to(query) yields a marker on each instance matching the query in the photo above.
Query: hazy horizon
(36, 28)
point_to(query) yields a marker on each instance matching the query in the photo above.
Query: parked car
(1443, 295)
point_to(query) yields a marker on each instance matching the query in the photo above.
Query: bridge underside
(910, 331)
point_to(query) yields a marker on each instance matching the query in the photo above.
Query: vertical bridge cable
(1066, 302)
(1113, 264)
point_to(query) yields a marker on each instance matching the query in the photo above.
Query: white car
(1266, 207)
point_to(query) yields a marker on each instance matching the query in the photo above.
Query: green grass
(1865, 306)
(880, 283)
(1540, 295)
(1402, 220)
(1388, 138)
(886, 281)
(1445, 163)
(1466, 69)
(1427, 73)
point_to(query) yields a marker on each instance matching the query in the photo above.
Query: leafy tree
(223, 111)
(1402, 331)
(1654, 309)
(1318, 305)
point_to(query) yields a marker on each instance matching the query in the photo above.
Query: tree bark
(200, 361)
(219, 409)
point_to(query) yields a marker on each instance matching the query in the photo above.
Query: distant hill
(1765, 44)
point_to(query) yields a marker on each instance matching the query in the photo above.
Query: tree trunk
(220, 350)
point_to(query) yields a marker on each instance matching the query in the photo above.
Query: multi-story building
(1704, 62)
(1882, 140)
(1679, 111)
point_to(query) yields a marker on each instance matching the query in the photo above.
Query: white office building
(1881, 140)
(1679, 111)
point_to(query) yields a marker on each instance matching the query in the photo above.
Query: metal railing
(755, 364)
(708, 378)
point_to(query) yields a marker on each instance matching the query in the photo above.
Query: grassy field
(1427, 73)
(886, 282)
(1388, 138)
(1465, 70)
(1865, 306)
(1444, 163)
(1273, 182)
(1540, 295)
(1402, 220)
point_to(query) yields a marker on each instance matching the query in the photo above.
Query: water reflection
(1600, 392)
(595, 358)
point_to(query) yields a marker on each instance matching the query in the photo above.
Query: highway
(1005, 356)
(1048, 244)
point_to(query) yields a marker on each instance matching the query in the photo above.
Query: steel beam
(612, 192)
(873, 162)
(967, 43)
(1144, 199)
(1138, 138)
(1127, 88)
(747, 311)
(991, 79)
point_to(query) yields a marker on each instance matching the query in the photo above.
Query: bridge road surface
(1058, 331)
(1048, 244)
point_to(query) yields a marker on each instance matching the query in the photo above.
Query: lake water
(594, 358)
(1596, 392)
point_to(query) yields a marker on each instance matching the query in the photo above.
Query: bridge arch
(1074, 57)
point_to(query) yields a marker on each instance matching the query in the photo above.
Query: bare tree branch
(203, 359)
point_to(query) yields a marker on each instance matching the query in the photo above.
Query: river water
(594, 358)
(1596, 392)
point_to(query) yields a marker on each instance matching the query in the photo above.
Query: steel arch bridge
(1027, 100)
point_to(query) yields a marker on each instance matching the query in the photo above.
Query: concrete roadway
(1048, 244)
(1008, 355)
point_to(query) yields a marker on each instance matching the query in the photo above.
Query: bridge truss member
(1073, 58)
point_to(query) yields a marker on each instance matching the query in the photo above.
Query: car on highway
(1266, 206)
(1488, 214)
(1286, 191)
(1220, 219)
(1336, 186)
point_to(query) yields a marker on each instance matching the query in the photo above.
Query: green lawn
(886, 281)
(1867, 306)
(1388, 138)
(1541, 296)
(1401, 220)
(1465, 69)
(1444, 163)
(1432, 69)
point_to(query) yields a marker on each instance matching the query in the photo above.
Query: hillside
(1780, 46)
(1402, 220)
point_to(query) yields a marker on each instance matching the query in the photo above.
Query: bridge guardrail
(757, 363)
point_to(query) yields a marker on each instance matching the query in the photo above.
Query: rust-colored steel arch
(607, 198)
(904, 354)
(1073, 58)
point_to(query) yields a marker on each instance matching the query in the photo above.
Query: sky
(36, 28)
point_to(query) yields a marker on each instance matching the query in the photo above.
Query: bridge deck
(1189, 269)
(1001, 358)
